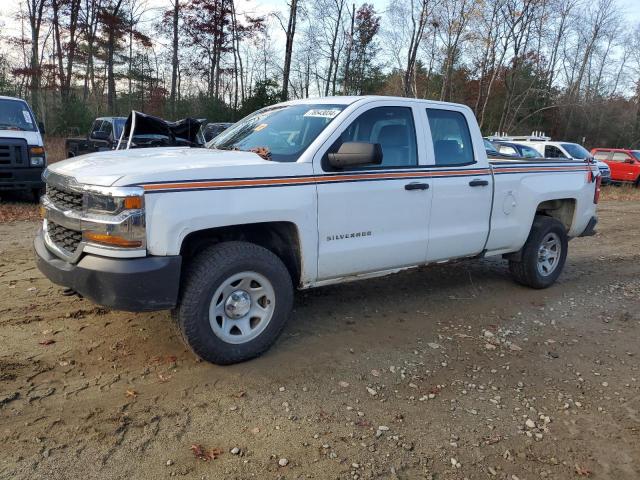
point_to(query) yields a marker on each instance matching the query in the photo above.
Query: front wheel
(236, 299)
(543, 255)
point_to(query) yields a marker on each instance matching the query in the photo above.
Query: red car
(624, 164)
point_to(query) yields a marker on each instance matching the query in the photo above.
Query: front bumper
(21, 178)
(606, 178)
(132, 284)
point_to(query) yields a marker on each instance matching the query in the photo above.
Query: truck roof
(348, 100)
(12, 98)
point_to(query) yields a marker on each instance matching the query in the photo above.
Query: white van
(22, 154)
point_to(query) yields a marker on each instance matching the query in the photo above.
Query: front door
(462, 188)
(622, 167)
(374, 218)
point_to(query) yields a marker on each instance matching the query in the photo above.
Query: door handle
(478, 183)
(416, 186)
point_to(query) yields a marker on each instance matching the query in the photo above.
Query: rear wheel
(543, 255)
(236, 299)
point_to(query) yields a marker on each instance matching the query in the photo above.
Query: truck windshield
(576, 151)
(15, 115)
(280, 133)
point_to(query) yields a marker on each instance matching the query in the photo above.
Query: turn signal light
(133, 203)
(112, 240)
(596, 194)
(36, 151)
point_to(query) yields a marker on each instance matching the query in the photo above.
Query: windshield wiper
(16, 127)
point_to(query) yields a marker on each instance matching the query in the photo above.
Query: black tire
(525, 271)
(204, 274)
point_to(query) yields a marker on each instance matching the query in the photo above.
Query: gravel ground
(445, 372)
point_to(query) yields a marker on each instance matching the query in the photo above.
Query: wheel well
(561, 209)
(281, 238)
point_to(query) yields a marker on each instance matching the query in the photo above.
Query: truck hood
(136, 166)
(32, 138)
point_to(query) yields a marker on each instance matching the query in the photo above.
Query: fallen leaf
(583, 472)
(48, 341)
(205, 455)
(132, 393)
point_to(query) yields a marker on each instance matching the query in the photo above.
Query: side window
(528, 152)
(508, 150)
(602, 155)
(95, 127)
(619, 157)
(392, 127)
(551, 151)
(106, 127)
(451, 138)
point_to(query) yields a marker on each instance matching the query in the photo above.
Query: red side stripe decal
(264, 182)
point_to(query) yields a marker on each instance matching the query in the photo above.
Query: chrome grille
(64, 200)
(64, 238)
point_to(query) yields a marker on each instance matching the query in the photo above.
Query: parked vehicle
(146, 131)
(22, 154)
(302, 194)
(561, 150)
(102, 136)
(517, 150)
(624, 163)
(212, 130)
(492, 150)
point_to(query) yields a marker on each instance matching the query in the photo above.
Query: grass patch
(622, 193)
(55, 148)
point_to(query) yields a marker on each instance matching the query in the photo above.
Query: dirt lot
(444, 373)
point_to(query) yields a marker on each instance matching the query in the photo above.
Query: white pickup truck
(301, 194)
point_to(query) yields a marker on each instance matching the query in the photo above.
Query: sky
(8, 9)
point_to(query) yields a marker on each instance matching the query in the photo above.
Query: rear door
(374, 218)
(462, 185)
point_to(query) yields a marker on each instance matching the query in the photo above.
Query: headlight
(98, 203)
(114, 220)
(36, 156)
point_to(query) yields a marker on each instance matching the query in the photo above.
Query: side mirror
(100, 136)
(41, 128)
(356, 154)
(630, 160)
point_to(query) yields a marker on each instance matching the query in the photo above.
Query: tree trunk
(288, 51)
(174, 57)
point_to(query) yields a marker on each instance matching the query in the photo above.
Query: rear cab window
(601, 155)
(452, 145)
(551, 151)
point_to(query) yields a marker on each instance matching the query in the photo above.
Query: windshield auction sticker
(322, 113)
(27, 117)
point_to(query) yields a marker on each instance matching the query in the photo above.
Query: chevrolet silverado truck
(299, 195)
(22, 154)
